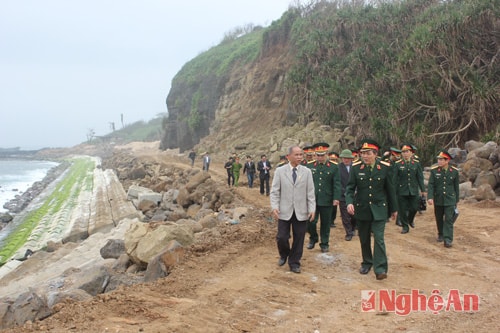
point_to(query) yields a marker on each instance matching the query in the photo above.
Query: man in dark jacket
(264, 167)
(348, 221)
(249, 169)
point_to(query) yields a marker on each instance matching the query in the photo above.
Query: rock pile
(183, 210)
(479, 165)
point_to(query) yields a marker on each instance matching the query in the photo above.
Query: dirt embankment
(235, 285)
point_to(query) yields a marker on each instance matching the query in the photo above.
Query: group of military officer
(377, 188)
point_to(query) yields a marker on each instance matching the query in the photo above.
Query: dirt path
(236, 285)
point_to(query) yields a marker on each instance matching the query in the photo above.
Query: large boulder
(465, 190)
(143, 242)
(486, 177)
(484, 192)
(471, 145)
(28, 306)
(485, 151)
(161, 264)
(474, 166)
(113, 248)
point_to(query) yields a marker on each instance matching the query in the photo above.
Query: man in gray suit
(293, 203)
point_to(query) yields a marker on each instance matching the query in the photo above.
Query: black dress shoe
(440, 238)
(324, 249)
(295, 269)
(381, 276)
(398, 223)
(310, 246)
(412, 224)
(348, 237)
(364, 270)
(282, 261)
(405, 231)
(447, 244)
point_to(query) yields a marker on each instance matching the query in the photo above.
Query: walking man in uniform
(327, 191)
(443, 193)
(369, 193)
(409, 179)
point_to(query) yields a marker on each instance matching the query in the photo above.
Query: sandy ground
(236, 285)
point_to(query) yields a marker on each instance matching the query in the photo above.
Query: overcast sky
(68, 66)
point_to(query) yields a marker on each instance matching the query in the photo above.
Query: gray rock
(183, 198)
(471, 145)
(78, 295)
(486, 177)
(113, 248)
(486, 150)
(484, 192)
(208, 222)
(27, 307)
(465, 190)
(5, 217)
(121, 264)
(93, 280)
(161, 264)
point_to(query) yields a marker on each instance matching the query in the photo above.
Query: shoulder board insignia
(435, 166)
(358, 162)
(385, 163)
(398, 161)
(313, 161)
(454, 167)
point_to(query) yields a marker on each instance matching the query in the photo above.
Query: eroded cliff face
(232, 109)
(247, 109)
(246, 112)
(178, 132)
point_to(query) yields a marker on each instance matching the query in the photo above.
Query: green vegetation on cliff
(424, 71)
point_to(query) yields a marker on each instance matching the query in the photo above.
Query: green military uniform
(326, 179)
(443, 188)
(372, 192)
(236, 171)
(283, 161)
(409, 178)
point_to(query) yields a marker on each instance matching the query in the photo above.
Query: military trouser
(348, 220)
(324, 213)
(377, 258)
(408, 207)
(444, 221)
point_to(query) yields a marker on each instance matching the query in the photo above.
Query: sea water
(18, 175)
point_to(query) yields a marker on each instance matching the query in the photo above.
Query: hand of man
(350, 209)
(311, 217)
(394, 215)
(276, 214)
(336, 202)
(430, 202)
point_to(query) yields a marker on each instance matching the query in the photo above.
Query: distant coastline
(17, 153)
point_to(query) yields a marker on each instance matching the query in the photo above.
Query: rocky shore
(185, 215)
(21, 201)
(182, 206)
